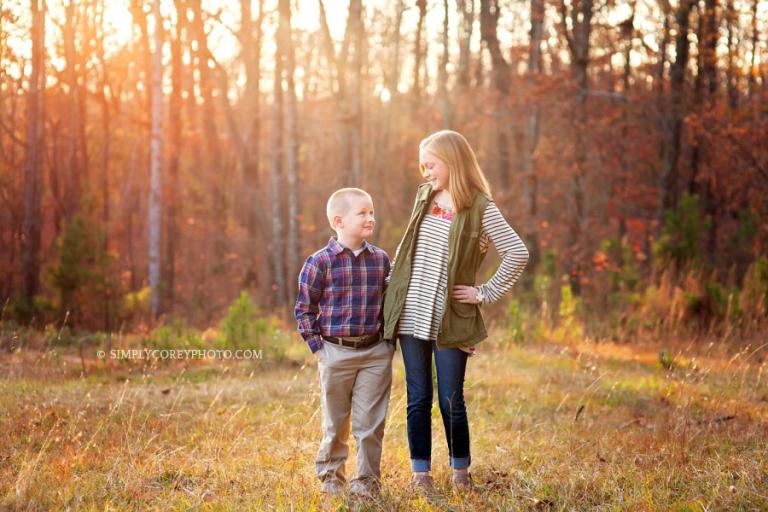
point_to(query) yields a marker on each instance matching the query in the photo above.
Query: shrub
(680, 238)
(707, 304)
(135, 303)
(622, 267)
(174, 336)
(570, 327)
(81, 272)
(38, 312)
(515, 321)
(237, 328)
(14, 336)
(244, 327)
(753, 300)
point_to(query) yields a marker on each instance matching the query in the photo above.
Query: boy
(339, 315)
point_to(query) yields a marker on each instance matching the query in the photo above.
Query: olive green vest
(462, 324)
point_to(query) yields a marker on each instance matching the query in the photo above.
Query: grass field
(581, 426)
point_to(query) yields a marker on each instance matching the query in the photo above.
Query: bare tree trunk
(290, 137)
(172, 231)
(706, 99)
(661, 97)
(33, 163)
(733, 92)
(10, 195)
(140, 152)
(446, 112)
(154, 219)
(578, 43)
(333, 60)
(394, 73)
(627, 32)
(247, 142)
(354, 111)
(709, 53)
(130, 198)
(752, 81)
(533, 121)
(214, 166)
(348, 93)
(106, 126)
(699, 100)
(53, 178)
(489, 19)
(467, 22)
(140, 19)
(250, 47)
(417, 53)
(73, 166)
(276, 248)
(668, 187)
(658, 82)
(382, 150)
(537, 35)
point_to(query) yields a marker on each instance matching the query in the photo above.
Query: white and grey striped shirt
(424, 301)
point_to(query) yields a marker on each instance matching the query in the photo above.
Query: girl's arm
(511, 249)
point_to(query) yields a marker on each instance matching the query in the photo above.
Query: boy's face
(358, 221)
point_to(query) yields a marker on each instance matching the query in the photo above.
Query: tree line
(155, 177)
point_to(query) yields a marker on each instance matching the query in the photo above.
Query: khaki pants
(353, 382)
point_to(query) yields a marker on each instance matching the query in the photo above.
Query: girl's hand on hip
(465, 294)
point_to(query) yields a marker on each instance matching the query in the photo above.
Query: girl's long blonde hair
(464, 173)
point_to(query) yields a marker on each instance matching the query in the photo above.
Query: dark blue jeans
(450, 364)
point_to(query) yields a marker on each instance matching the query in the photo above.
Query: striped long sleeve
(511, 249)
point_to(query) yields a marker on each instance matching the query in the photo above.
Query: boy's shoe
(462, 481)
(422, 483)
(363, 489)
(332, 487)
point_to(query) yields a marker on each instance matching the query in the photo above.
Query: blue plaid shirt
(341, 294)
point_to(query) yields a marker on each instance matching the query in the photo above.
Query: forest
(164, 172)
(157, 160)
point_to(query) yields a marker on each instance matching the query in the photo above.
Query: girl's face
(434, 170)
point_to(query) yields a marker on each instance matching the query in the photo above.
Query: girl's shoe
(462, 481)
(423, 483)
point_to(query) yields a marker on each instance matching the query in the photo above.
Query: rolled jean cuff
(461, 462)
(420, 465)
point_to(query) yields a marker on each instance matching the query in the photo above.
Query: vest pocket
(464, 310)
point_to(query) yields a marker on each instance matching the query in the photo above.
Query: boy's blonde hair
(338, 203)
(464, 173)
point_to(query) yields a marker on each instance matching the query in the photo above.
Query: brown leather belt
(354, 341)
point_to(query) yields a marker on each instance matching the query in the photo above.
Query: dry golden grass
(581, 426)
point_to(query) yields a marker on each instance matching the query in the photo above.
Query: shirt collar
(337, 248)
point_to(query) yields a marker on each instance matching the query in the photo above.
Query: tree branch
(13, 136)
(750, 157)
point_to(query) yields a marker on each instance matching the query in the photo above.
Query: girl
(452, 224)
